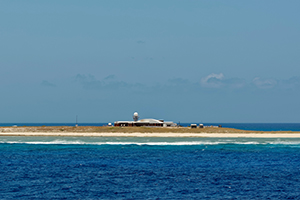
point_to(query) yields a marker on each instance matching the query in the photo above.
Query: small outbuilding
(193, 125)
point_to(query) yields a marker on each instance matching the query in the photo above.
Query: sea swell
(150, 142)
(142, 168)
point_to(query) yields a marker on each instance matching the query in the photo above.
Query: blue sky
(188, 61)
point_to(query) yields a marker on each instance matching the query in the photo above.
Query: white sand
(224, 135)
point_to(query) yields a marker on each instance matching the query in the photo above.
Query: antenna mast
(76, 121)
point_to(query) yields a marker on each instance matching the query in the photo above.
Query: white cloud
(292, 83)
(264, 83)
(213, 80)
(219, 81)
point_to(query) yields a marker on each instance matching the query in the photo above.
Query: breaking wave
(179, 143)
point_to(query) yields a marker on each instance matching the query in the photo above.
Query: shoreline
(162, 135)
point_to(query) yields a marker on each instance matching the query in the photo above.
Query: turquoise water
(149, 168)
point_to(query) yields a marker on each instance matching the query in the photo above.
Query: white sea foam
(112, 143)
(163, 143)
(178, 143)
(43, 142)
(285, 142)
(246, 143)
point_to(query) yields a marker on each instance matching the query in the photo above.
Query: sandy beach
(215, 135)
(91, 131)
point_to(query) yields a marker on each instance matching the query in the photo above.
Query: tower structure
(135, 116)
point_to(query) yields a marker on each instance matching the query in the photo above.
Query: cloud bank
(109, 82)
(213, 82)
(219, 81)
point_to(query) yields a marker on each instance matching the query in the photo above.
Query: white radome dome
(135, 116)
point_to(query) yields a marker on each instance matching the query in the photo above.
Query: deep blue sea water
(149, 168)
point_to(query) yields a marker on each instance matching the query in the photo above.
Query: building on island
(144, 122)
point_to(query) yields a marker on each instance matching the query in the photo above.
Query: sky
(189, 61)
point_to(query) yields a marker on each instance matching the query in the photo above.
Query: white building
(144, 122)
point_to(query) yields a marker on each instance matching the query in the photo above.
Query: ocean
(149, 168)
